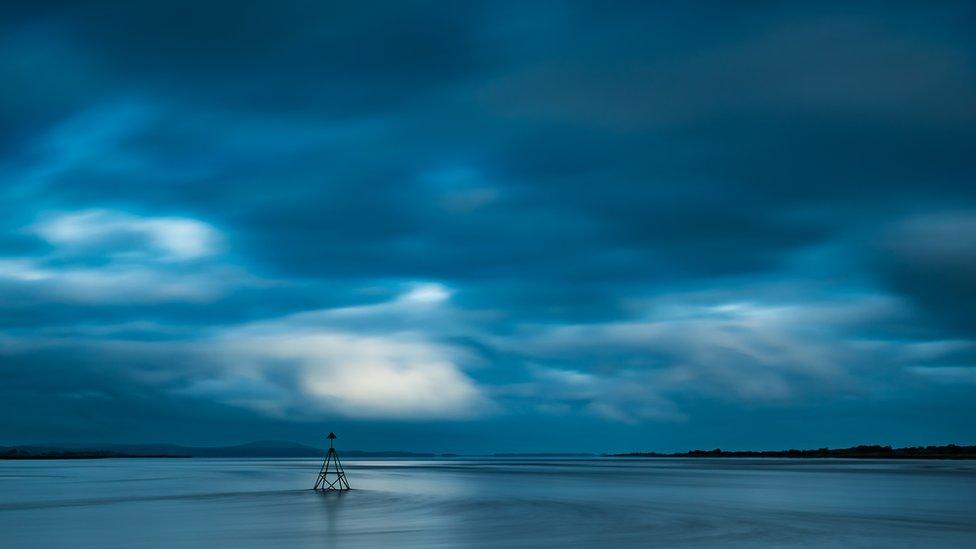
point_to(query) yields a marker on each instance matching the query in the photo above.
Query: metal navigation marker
(333, 467)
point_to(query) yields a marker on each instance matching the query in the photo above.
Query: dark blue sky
(488, 226)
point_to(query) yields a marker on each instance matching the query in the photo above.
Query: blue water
(604, 503)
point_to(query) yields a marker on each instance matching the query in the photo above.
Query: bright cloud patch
(119, 233)
(395, 373)
(392, 377)
(426, 293)
(112, 284)
(110, 257)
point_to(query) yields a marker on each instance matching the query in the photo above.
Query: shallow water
(132, 503)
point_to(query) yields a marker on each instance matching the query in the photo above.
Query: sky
(488, 227)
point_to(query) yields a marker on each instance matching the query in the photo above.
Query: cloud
(119, 233)
(105, 285)
(547, 217)
(430, 293)
(931, 258)
(397, 376)
(771, 356)
(298, 367)
(946, 374)
(316, 364)
(627, 397)
(112, 257)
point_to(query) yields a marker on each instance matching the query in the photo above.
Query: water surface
(132, 503)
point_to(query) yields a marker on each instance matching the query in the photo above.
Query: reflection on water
(488, 503)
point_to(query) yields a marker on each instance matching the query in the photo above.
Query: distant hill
(544, 454)
(264, 448)
(950, 451)
(390, 454)
(44, 452)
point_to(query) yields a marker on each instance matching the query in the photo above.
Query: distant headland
(949, 451)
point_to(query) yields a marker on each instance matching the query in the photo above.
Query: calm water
(488, 503)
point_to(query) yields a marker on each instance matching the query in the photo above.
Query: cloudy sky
(488, 226)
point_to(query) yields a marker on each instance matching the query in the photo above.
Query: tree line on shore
(949, 451)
